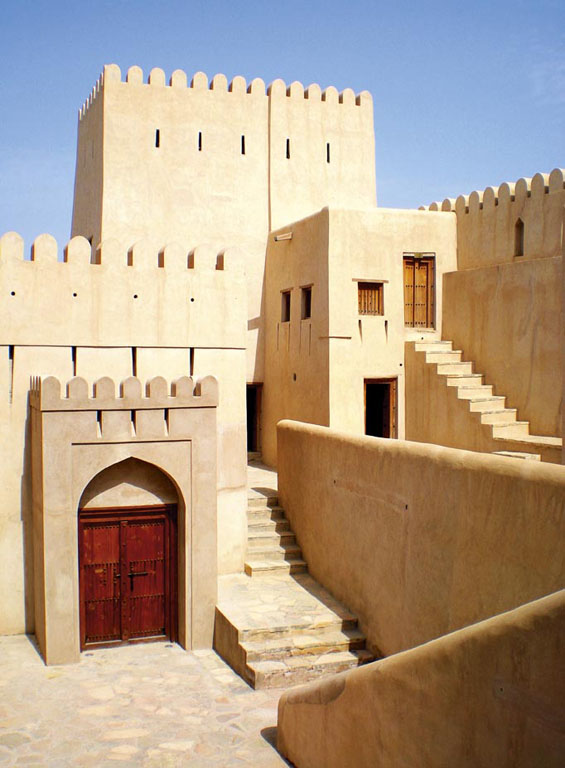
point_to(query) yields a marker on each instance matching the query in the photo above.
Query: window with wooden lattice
(370, 298)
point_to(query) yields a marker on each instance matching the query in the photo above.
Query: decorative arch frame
(76, 437)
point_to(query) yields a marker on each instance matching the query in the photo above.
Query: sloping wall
(488, 695)
(420, 540)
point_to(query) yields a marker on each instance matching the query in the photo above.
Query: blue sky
(466, 94)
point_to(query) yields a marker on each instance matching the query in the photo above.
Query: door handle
(137, 573)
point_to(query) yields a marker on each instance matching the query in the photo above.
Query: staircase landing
(275, 625)
(277, 630)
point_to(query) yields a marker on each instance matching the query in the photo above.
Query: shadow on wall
(128, 483)
(27, 525)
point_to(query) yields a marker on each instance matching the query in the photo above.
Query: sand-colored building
(228, 268)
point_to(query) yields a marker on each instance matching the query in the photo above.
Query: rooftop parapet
(143, 254)
(117, 296)
(45, 394)
(535, 187)
(219, 84)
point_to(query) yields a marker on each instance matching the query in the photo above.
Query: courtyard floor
(152, 705)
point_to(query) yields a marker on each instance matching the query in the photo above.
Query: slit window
(243, 145)
(306, 302)
(288, 149)
(519, 238)
(328, 152)
(200, 141)
(157, 138)
(285, 306)
(370, 298)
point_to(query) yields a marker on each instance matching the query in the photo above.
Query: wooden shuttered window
(370, 298)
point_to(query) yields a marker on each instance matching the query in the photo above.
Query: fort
(231, 289)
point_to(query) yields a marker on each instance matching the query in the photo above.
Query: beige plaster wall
(506, 318)
(104, 331)
(420, 540)
(228, 367)
(487, 695)
(89, 180)
(369, 246)
(296, 352)
(316, 368)
(176, 192)
(303, 183)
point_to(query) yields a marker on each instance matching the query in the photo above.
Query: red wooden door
(127, 574)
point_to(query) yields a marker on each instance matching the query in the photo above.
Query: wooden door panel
(127, 574)
(420, 294)
(408, 291)
(419, 291)
(101, 590)
(146, 578)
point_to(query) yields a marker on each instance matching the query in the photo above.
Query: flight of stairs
(271, 545)
(276, 629)
(509, 436)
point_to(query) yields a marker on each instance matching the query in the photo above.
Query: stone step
(484, 404)
(259, 526)
(441, 356)
(447, 369)
(509, 431)
(461, 380)
(329, 640)
(257, 567)
(519, 455)
(503, 416)
(481, 392)
(275, 551)
(264, 514)
(260, 502)
(300, 669)
(261, 538)
(433, 346)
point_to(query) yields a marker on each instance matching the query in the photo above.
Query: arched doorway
(127, 541)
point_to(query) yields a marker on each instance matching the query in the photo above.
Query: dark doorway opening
(127, 574)
(380, 407)
(254, 417)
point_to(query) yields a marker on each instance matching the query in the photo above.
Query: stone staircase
(276, 629)
(507, 435)
(271, 545)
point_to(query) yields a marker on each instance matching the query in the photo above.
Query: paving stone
(177, 714)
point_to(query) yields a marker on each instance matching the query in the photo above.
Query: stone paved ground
(150, 705)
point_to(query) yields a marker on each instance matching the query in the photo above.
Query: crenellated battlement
(535, 187)
(133, 413)
(112, 295)
(278, 89)
(79, 395)
(516, 220)
(145, 254)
